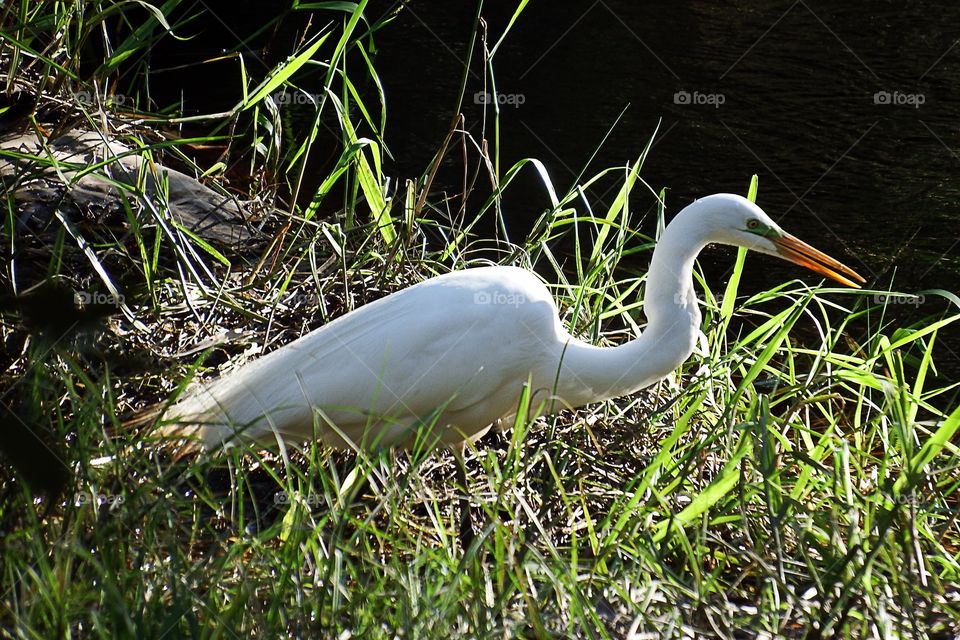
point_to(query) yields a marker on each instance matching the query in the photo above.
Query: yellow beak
(799, 252)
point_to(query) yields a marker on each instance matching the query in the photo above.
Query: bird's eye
(753, 224)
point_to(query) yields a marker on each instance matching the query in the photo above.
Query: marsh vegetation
(797, 477)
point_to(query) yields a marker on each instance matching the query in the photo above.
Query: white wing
(453, 352)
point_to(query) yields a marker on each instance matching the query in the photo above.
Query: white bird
(442, 361)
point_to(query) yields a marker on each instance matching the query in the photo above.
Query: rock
(95, 196)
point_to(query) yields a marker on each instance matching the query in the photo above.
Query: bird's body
(444, 359)
(453, 351)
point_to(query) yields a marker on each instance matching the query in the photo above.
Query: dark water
(848, 112)
(786, 90)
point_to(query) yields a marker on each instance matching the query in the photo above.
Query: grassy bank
(796, 477)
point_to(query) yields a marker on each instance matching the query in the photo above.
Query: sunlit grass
(796, 476)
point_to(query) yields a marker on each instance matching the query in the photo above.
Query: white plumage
(444, 359)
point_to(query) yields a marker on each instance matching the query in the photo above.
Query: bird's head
(734, 220)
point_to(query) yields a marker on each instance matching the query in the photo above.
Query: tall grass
(796, 477)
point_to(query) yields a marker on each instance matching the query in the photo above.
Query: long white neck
(591, 374)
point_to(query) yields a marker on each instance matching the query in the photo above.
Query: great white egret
(449, 357)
